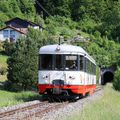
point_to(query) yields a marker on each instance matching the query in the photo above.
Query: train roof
(64, 49)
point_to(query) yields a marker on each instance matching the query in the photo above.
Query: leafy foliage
(8, 47)
(59, 7)
(104, 51)
(41, 38)
(91, 15)
(22, 65)
(116, 82)
(57, 25)
(100, 15)
(17, 8)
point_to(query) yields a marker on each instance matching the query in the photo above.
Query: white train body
(66, 68)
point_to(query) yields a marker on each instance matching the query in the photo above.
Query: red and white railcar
(66, 70)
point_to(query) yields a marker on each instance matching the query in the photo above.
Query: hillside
(98, 20)
(90, 15)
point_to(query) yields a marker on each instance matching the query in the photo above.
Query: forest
(99, 20)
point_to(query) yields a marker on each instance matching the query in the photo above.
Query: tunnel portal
(108, 76)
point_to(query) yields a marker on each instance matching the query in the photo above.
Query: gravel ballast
(71, 108)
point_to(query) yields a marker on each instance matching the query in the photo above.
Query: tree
(27, 8)
(42, 38)
(23, 64)
(3, 17)
(57, 7)
(18, 8)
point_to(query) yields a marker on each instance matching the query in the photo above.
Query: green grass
(11, 98)
(3, 60)
(107, 108)
(3, 64)
(3, 78)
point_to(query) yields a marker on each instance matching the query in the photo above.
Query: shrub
(22, 64)
(8, 85)
(8, 47)
(116, 82)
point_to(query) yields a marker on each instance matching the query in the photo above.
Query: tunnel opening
(108, 77)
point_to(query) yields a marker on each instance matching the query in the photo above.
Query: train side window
(90, 67)
(94, 69)
(81, 63)
(87, 65)
(46, 62)
(84, 64)
(71, 62)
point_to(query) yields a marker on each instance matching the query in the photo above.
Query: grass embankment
(3, 64)
(107, 108)
(12, 98)
(3, 60)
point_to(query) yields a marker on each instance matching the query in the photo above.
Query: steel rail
(11, 112)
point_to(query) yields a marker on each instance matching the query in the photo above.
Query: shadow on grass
(1, 85)
(2, 53)
(24, 96)
(28, 96)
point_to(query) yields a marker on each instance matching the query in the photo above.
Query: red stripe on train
(77, 89)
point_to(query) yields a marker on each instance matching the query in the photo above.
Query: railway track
(30, 112)
(98, 88)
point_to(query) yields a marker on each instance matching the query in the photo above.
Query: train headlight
(44, 76)
(58, 48)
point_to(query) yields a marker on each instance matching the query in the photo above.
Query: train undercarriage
(62, 93)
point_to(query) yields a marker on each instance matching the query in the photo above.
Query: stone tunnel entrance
(108, 76)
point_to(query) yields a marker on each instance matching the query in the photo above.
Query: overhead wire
(39, 4)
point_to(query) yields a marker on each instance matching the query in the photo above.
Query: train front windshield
(66, 62)
(58, 62)
(46, 62)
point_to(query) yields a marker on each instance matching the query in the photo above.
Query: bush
(22, 64)
(116, 82)
(8, 85)
(8, 47)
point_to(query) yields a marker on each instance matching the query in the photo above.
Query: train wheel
(80, 96)
(87, 94)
